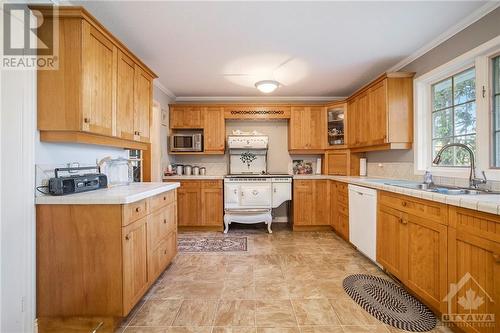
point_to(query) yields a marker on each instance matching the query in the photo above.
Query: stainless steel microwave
(186, 142)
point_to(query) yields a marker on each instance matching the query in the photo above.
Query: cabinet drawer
(161, 200)
(190, 184)
(476, 223)
(134, 211)
(342, 194)
(212, 184)
(423, 208)
(160, 224)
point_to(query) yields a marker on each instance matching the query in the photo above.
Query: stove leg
(269, 220)
(226, 224)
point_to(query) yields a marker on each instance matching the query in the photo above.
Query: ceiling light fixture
(267, 86)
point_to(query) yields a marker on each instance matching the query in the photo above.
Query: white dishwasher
(363, 220)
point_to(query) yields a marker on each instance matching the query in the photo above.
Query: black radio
(76, 183)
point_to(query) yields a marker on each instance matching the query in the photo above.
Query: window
(496, 111)
(454, 117)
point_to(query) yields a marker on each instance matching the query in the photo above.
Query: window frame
(492, 104)
(451, 107)
(479, 58)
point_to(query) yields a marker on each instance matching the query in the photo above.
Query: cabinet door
(143, 104)
(377, 114)
(99, 81)
(135, 274)
(185, 117)
(363, 117)
(391, 249)
(352, 122)
(427, 272)
(125, 89)
(337, 163)
(321, 198)
(317, 132)
(473, 264)
(188, 204)
(303, 200)
(333, 205)
(212, 209)
(343, 226)
(299, 128)
(214, 130)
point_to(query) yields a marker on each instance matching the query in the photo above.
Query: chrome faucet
(473, 180)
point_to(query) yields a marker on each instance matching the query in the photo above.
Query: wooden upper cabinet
(125, 90)
(341, 163)
(99, 80)
(100, 94)
(143, 100)
(380, 115)
(214, 130)
(307, 130)
(185, 117)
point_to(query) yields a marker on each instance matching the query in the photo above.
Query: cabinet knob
(404, 221)
(86, 120)
(127, 237)
(404, 203)
(164, 198)
(165, 221)
(496, 257)
(165, 252)
(138, 209)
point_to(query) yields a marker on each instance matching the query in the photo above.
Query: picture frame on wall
(164, 117)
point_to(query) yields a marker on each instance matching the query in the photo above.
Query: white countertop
(489, 203)
(183, 177)
(116, 195)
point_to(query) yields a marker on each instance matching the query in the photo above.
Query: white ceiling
(330, 48)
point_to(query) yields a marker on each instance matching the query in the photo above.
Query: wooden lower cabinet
(426, 269)
(97, 261)
(391, 240)
(414, 249)
(200, 204)
(135, 263)
(474, 265)
(311, 204)
(339, 209)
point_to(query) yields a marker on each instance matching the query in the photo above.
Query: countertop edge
(103, 200)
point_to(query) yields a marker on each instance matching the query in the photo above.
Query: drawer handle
(138, 209)
(164, 198)
(404, 203)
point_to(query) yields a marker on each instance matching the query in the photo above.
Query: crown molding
(461, 25)
(259, 98)
(164, 89)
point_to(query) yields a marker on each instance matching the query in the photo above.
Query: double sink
(448, 190)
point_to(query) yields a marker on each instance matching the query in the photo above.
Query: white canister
(196, 170)
(203, 171)
(178, 170)
(188, 170)
(362, 166)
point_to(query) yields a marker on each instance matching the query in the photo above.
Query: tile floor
(285, 283)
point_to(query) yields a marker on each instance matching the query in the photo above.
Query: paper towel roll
(362, 166)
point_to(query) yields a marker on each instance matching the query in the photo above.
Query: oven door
(255, 195)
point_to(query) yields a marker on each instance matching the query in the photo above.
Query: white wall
(17, 227)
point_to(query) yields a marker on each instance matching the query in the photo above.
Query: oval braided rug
(389, 303)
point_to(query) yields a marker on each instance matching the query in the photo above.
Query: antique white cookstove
(249, 192)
